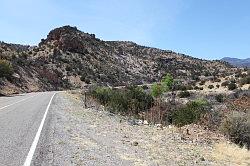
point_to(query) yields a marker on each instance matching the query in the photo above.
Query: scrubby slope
(68, 57)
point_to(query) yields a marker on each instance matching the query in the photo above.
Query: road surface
(20, 118)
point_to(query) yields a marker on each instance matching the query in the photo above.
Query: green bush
(184, 94)
(237, 127)
(6, 69)
(232, 86)
(159, 88)
(190, 113)
(219, 98)
(130, 100)
(210, 86)
(167, 82)
(103, 94)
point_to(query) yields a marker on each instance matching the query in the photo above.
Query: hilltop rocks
(68, 38)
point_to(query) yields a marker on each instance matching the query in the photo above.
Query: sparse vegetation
(237, 126)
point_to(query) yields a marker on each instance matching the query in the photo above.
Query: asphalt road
(20, 118)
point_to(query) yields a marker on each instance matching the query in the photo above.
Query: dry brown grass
(231, 153)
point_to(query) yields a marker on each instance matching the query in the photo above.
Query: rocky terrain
(237, 62)
(68, 58)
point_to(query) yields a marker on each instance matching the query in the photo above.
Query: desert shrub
(103, 94)
(85, 78)
(184, 94)
(245, 80)
(180, 87)
(196, 88)
(159, 112)
(189, 87)
(219, 98)
(213, 118)
(237, 127)
(225, 83)
(207, 73)
(195, 77)
(217, 86)
(202, 82)
(201, 88)
(68, 68)
(217, 80)
(183, 87)
(190, 113)
(130, 100)
(232, 81)
(82, 78)
(232, 86)
(87, 81)
(210, 86)
(6, 69)
(144, 87)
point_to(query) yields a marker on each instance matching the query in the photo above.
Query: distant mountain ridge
(237, 62)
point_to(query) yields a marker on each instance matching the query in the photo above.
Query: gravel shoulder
(78, 136)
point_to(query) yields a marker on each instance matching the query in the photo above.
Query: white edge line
(17, 102)
(36, 139)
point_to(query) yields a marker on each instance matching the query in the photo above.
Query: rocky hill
(69, 58)
(237, 62)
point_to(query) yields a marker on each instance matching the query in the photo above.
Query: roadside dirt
(91, 137)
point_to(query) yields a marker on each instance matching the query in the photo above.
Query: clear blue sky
(209, 29)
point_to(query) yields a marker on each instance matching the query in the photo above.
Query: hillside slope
(68, 57)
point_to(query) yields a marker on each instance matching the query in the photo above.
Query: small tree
(157, 90)
(6, 69)
(165, 85)
(158, 112)
(167, 82)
